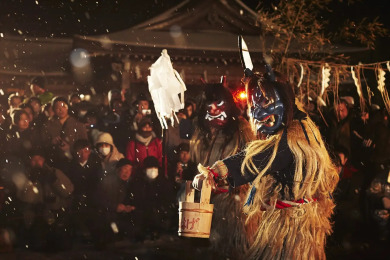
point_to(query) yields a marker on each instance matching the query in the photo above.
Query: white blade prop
(244, 54)
(165, 85)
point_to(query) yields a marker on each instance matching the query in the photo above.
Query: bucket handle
(190, 192)
(205, 192)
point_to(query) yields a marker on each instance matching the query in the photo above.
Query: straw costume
(221, 132)
(290, 172)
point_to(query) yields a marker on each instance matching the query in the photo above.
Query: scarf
(146, 141)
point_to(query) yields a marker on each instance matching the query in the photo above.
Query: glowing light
(240, 96)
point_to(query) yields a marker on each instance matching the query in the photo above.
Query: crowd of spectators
(71, 170)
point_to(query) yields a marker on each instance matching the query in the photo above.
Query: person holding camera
(185, 170)
(142, 109)
(61, 131)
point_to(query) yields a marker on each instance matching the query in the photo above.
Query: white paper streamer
(324, 85)
(325, 78)
(381, 80)
(302, 72)
(356, 80)
(381, 87)
(165, 85)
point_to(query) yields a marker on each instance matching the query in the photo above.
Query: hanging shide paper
(381, 87)
(301, 78)
(325, 73)
(358, 84)
(165, 86)
(325, 78)
(342, 72)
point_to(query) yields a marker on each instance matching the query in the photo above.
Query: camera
(146, 111)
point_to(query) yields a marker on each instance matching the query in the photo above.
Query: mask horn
(245, 57)
(268, 68)
(224, 81)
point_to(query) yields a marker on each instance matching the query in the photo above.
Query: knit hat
(123, 162)
(183, 147)
(104, 138)
(144, 121)
(150, 162)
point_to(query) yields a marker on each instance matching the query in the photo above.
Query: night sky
(53, 18)
(65, 18)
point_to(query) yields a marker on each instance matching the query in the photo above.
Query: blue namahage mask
(267, 111)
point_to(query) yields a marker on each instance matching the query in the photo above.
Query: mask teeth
(269, 122)
(221, 116)
(257, 123)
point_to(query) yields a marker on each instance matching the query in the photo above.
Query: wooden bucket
(195, 218)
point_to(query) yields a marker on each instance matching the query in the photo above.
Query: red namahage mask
(216, 114)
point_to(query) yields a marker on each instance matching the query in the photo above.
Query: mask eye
(256, 96)
(260, 99)
(221, 103)
(267, 102)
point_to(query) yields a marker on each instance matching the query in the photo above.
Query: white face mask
(104, 150)
(82, 113)
(152, 173)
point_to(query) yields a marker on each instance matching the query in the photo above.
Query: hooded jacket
(109, 161)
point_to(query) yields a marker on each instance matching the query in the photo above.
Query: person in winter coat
(121, 200)
(108, 153)
(85, 171)
(46, 193)
(160, 209)
(145, 144)
(378, 198)
(339, 132)
(39, 118)
(20, 138)
(61, 131)
(185, 170)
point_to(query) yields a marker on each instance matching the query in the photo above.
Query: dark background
(64, 18)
